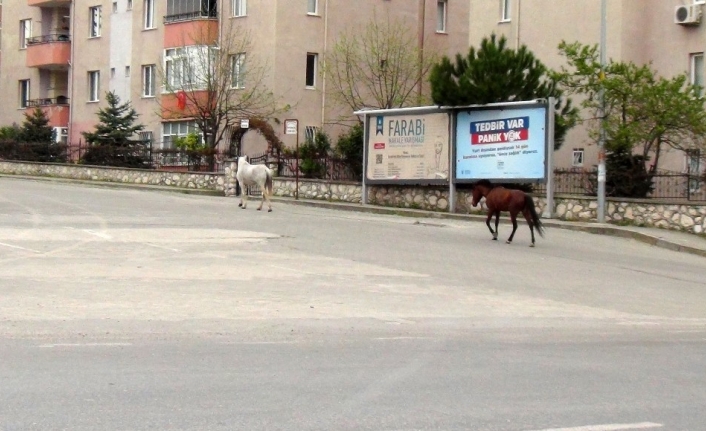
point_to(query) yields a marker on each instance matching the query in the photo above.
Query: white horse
(251, 175)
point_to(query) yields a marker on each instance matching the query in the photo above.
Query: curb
(594, 228)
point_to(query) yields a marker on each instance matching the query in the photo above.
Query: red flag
(181, 100)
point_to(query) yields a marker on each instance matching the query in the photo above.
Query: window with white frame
(237, 68)
(148, 77)
(310, 133)
(189, 68)
(577, 159)
(693, 168)
(25, 32)
(441, 13)
(176, 129)
(176, 68)
(505, 10)
(149, 14)
(311, 65)
(146, 136)
(94, 21)
(24, 93)
(696, 71)
(312, 7)
(238, 7)
(94, 81)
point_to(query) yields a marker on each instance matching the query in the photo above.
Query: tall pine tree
(111, 143)
(495, 73)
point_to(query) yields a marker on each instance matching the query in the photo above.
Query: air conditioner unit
(688, 14)
(61, 135)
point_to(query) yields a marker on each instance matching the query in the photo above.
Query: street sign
(291, 127)
(245, 123)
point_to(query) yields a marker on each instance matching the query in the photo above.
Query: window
(311, 60)
(25, 32)
(148, 86)
(441, 16)
(696, 72)
(127, 71)
(149, 14)
(504, 10)
(176, 129)
(24, 93)
(93, 85)
(115, 7)
(238, 7)
(312, 7)
(237, 67)
(129, 4)
(179, 10)
(176, 67)
(693, 168)
(112, 72)
(146, 136)
(310, 133)
(577, 157)
(94, 21)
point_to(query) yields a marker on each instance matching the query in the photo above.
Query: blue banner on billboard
(502, 144)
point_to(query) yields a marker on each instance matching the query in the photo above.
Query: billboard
(408, 148)
(502, 144)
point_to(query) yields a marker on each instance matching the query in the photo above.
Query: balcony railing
(188, 16)
(49, 101)
(48, 38)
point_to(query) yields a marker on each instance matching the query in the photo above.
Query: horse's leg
(497, 221)
(513, 217)
(240, 186)
(262, 187)
(528, 217)
(266, 196)
(244, 195)
(487, 223)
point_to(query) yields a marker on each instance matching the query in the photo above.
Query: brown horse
(501, 199)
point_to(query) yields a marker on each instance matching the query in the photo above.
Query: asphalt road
(124, 309)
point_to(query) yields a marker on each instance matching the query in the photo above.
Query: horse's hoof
(240, 204)
(242, 208)
(269, 210)
(495, 239)
(532, 245)
(508, 242)
(259, 209)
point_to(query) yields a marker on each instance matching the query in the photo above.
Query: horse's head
(242, 161)
(480, 190)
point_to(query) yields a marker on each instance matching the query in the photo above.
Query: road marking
(18, 247)
(402, 338)
(98, 234)
(44, 346)
(162, 247)
(609, 427)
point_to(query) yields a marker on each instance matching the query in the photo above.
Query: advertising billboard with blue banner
(502, 144)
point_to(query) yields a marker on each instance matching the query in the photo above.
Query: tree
(219, 80)
(495, 73)
(36, 128)
(111, 143)
(377, 65)
(350, 148)
(643, 112)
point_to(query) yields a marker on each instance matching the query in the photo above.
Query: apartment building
(670, 34)
(63, 55)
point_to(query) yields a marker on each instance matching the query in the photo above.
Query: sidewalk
(668, 239)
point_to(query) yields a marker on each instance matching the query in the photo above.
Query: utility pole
(601, 139)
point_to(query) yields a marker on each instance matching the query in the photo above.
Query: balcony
(191, 28)
(51, 51)
(56, 109)
(48, 3)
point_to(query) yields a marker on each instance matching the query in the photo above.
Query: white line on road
(44, 346)
(18, 247)
(609, 427)
(98, 234)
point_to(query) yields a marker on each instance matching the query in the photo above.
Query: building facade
(63, 55)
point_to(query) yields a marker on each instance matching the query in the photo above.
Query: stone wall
(686, 216)
(191, 180)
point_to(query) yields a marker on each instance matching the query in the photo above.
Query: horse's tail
(268, 181)
(529, 203)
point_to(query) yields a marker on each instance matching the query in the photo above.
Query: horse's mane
(485, 183)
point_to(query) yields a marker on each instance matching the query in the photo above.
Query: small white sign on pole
(244, 123)
(291, 127)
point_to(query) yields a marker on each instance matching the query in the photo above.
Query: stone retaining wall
(191, 180)
(686, 216)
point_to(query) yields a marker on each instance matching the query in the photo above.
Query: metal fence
(666, 184)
